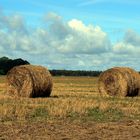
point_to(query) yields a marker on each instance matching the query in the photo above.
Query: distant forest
(6, 64)
(74, 73)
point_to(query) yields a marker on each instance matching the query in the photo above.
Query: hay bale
(119, 81)
(29, 81)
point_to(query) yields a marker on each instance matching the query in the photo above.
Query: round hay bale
(29, 81)
(119, 81)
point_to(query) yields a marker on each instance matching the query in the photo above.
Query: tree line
(74, 73)
(6, 64)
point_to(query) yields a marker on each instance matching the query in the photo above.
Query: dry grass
(73, 98)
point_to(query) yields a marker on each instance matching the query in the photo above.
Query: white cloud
(80, 38)
(132, 37)
(125, 48)
(51, 16)
(92, 2)
(66, 45)
(130, 45)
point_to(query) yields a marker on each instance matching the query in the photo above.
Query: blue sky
(76, 34)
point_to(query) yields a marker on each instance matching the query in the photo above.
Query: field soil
(64, 130)
(75, 111)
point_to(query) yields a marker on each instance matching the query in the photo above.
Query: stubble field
(75, 110)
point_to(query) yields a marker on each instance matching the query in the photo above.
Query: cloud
(126, 49)
(126, 52)
(76, 37)
(72, 44)
(132, 37)
(92, 2)
(130, 44)
(87, 38)
(51, 16)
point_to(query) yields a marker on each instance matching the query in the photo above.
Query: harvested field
(75, 110)
(63, 130)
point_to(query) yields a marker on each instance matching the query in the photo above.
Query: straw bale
(29, 81)
(119, 81)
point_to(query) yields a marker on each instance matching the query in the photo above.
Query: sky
(71, 35)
